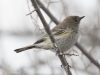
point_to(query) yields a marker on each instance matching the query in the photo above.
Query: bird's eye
(75, 19)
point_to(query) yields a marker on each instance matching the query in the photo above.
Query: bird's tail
(24, 48)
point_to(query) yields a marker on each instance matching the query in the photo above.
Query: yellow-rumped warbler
(65, 34)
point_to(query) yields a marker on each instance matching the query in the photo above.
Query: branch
(88, 55)
(47, 29)
(77, 44)
(47, 12)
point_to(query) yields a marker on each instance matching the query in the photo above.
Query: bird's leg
(59, 53)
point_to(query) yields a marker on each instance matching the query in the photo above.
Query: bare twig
(70, 54)
(30, 12)
(88, 55)
(47, 12)
(77, 44)
(47, 29)
(33, 20)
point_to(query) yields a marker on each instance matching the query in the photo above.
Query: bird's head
(74, 19)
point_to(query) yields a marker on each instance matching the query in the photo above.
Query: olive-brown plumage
(65, 33)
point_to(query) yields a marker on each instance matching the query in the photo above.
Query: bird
(65, 34)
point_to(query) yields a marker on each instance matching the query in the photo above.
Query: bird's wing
(61, 30)
(57, 30)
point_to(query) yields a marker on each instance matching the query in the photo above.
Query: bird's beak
(82, 17)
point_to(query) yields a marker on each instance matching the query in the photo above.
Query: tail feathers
(24, 48)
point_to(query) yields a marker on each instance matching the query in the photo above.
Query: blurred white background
(18, 30)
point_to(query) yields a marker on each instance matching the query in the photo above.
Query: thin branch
(33, 20)
(70, 54)
(47, 12)
(30, 12)
(88, 55)
(47, 29)
(77, 44)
